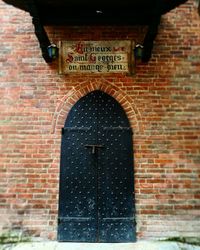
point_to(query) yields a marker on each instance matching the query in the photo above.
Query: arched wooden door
(96, 201)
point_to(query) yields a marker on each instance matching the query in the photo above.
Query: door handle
(94, 147)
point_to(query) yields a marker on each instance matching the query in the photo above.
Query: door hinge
(62, 131)
(59, 221)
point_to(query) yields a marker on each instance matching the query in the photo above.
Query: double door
(96, 201)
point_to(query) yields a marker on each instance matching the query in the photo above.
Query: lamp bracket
(39, 30)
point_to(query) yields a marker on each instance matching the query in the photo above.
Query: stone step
(142, 245)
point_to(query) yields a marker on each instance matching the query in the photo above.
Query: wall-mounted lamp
(52, 51)
(138, 51)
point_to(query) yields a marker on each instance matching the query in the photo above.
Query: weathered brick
(161, 101)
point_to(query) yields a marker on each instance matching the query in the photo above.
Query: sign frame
(96, 57)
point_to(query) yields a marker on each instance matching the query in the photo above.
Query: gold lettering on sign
(96, 57)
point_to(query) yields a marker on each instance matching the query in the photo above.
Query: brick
(161, 102)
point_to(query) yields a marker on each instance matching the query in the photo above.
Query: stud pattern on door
(96, 180)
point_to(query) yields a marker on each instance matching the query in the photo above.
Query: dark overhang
(96, 12)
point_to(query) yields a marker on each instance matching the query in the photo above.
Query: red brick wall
(162, 102)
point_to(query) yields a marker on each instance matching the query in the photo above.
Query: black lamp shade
(138, 51)
(52, 51)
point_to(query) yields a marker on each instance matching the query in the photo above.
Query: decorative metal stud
(82, 170)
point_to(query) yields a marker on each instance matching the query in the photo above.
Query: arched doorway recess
(96, 201)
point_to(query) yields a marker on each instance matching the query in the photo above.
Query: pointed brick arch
(77, 92)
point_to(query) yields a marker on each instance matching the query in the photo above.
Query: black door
(96, 202)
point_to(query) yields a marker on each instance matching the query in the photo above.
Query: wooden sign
(96, 57)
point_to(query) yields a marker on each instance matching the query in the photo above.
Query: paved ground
(143, 245)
